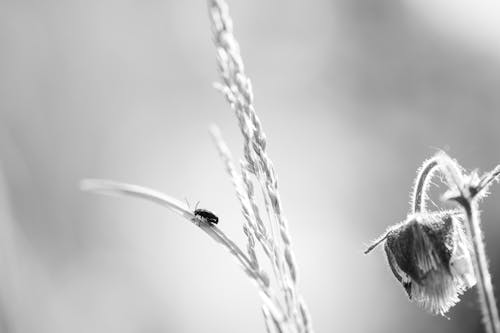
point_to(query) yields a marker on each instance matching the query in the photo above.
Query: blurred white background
(353, 96)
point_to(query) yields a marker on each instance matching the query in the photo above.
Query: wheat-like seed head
(237, 88)
(249, 227)
(284, 310)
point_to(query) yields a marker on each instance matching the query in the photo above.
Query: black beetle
(206, 216)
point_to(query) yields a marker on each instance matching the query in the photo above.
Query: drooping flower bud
(430, 255)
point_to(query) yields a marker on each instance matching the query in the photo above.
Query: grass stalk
(283, 307)
(237, 89)
(113, 188)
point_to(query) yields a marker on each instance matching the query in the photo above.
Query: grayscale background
(353, 96)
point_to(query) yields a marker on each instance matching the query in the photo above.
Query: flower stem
(486, 295)
(422, 183)
(467, 197)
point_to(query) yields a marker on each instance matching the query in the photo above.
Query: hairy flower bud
(430, 255)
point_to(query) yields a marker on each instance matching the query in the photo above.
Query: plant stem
(486, 295)
(422, 183)
(109, 187)
(467, 197)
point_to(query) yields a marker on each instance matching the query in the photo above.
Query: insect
(204, 214)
